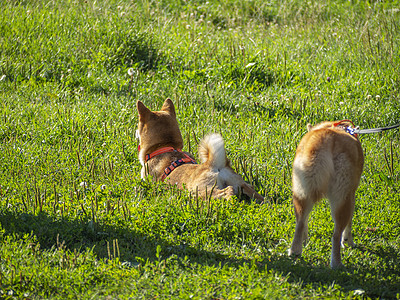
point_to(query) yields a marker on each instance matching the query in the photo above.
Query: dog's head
(328, 124)
(158, 129)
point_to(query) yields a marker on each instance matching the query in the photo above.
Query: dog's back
(327, 160)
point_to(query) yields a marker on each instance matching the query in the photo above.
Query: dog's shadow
(82, 234)
(362, 281)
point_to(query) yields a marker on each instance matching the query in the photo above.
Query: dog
(161, 156)
(328, 163)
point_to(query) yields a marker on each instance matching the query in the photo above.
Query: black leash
(374, 130)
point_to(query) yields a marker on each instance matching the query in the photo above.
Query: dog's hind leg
(227, 192)
(230, 178)
(251, 192)
(342, 214)
(347, 237)
(302, 209)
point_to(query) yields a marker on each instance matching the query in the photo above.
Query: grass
(76, 220)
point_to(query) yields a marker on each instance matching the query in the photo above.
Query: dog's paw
(337, 265)
(294, 253)
(227, 192)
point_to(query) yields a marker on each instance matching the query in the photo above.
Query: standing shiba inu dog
(161, 156)
(328, 163)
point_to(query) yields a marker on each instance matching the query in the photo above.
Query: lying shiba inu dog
(328, 163)
(161, 156)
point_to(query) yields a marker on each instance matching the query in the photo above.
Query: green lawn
(76, 220)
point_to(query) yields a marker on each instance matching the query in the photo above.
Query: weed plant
(76, 220)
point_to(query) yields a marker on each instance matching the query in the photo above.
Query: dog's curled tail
(212, 151)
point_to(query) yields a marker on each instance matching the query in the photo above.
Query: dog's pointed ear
(143, 111)
(309, 127)
(169, 107)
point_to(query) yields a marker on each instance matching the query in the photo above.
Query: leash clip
(352, 131)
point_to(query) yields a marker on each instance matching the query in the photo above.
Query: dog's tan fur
(158, 129)
(328, 163)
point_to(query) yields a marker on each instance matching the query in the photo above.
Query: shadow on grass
(104, 239)
(81, 234)
(370, 282)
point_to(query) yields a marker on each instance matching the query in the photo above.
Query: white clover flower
(369, 97)
(377, 97)
(131, 71)
(359, 292)
(83, 184)
(103, 187)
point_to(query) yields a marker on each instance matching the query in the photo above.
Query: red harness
(186, 160)
(348, 129)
